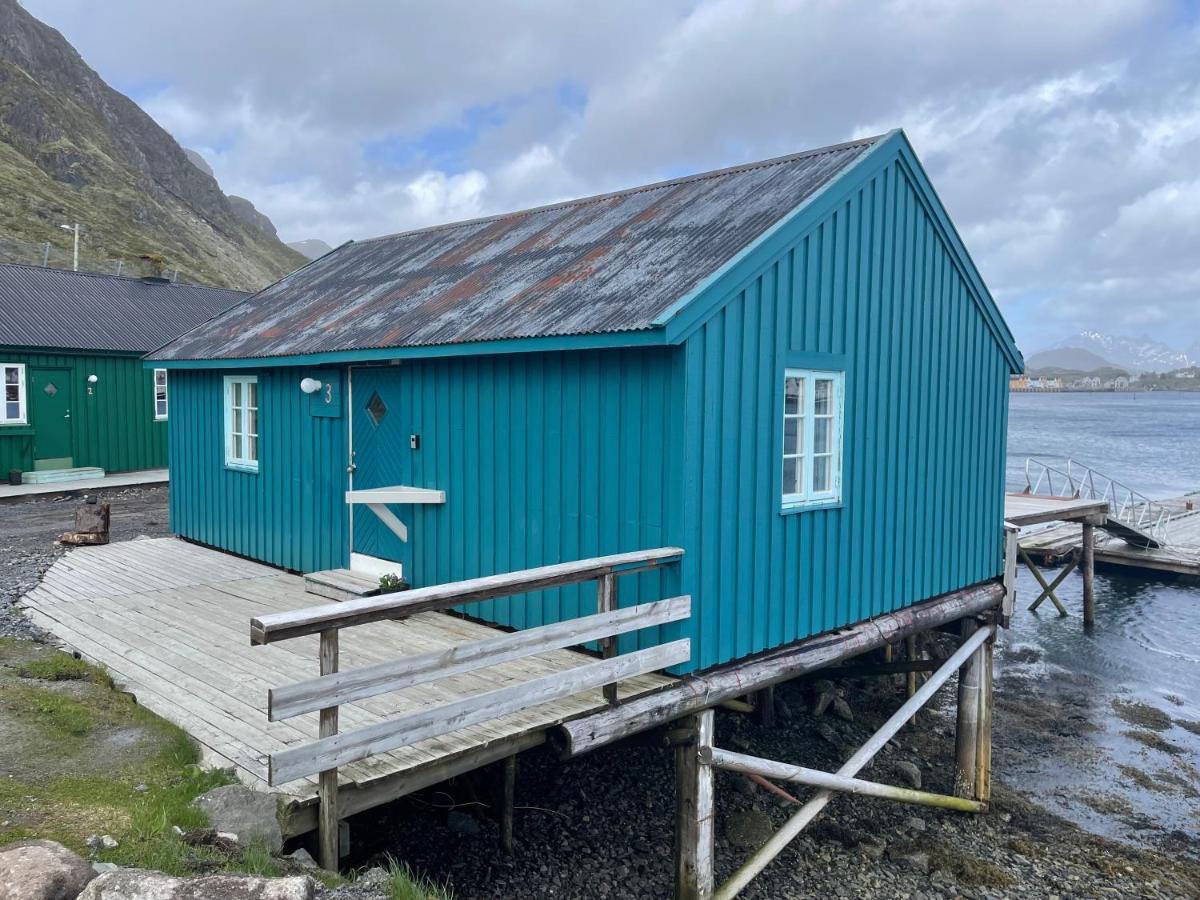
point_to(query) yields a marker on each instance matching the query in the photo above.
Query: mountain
(1138, 354)
(72, 149)
(312, 248)
(1070, 358)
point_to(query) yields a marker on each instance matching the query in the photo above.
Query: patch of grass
(60, 666)
(1024, 847)
(1188, 725)
(969, 870)
(58, 715)
(404, 884)
(1140, 778)
(256, 859)
(1107, 804)
(1142, 715)
(1154, 741)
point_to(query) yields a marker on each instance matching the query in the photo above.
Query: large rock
(138, 884)
(749, 829)
(252, 815)
(42, 870)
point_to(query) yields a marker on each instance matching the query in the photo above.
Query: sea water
(1131, 687)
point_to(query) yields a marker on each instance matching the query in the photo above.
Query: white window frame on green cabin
(241, 441)
(22, 416)
(800, 454)
(160, 403)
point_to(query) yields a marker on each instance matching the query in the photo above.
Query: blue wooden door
(382, 458)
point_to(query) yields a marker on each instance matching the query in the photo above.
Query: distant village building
(684, 364)
(76, 395)
(1018, 383)
(1091, 383)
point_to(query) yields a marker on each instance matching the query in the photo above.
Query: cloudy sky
(1063, 137)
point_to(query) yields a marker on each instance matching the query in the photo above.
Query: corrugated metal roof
(603, 264)
(88, 311)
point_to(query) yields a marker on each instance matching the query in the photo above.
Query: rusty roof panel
(604, 264)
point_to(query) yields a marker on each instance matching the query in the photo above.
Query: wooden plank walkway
(1180, 556)
(171, 622)
(1033, 509)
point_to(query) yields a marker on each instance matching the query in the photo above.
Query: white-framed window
(812, 437)
(241, 422)
(160, 394)
(12, 382)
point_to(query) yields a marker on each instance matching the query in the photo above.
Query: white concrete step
(53, 476)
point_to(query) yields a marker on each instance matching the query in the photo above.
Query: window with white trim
(812, 437)
(12, 378)
(160, 394)
(241, 422)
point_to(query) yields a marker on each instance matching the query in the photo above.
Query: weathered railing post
(327, 784)
(694, 850)
(606, 601)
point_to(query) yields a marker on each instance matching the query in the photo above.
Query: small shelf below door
(396, 494)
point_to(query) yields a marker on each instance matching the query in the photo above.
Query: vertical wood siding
(543, 457)
(292, 512)
(114, 428)
(925, 422)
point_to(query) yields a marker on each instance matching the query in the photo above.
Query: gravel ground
(600, 826)
(29, 528)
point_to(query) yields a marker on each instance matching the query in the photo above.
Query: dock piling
(1088, 565)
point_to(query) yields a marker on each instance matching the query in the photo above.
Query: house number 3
(329, 393)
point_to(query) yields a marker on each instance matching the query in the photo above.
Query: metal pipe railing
(1126, 505)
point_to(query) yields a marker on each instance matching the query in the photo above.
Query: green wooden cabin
(790, 369)
(76, 395)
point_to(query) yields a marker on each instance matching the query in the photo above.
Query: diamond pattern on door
(50, 389)
(376, 408)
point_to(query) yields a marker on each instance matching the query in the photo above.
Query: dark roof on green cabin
(55, 308)
(601, 265)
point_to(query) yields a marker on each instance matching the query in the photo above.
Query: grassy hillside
(74, 150)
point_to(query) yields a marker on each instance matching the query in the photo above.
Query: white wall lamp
(92, 379)
(310, 385)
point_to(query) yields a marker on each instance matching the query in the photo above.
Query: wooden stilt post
(694, 812)
(983, 743)
(327, 783)
(966, 761)
(1088, 565)
(508, 790)
(765, 706)
(910, 653)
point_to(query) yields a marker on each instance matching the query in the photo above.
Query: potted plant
(14, 476)
(390, 583)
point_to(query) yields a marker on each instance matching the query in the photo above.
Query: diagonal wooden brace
(1047, 588)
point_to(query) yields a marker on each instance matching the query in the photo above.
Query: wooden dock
(1180, 556)
(170, 621)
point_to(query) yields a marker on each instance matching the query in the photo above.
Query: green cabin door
(50, 405)
(382, 458)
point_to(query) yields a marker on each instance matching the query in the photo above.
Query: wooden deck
(171, 623)
(1029, 509)
(1181, 555)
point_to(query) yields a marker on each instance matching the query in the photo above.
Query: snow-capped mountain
(1138, 354)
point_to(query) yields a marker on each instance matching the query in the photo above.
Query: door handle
(68, 414)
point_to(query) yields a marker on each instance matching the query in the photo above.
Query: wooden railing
(333, 688)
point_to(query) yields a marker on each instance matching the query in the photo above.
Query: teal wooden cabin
(76, 396)
(792, 370)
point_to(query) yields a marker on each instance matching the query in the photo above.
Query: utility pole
(75, 260)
